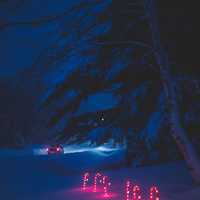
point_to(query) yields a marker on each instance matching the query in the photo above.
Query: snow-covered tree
(106, 76)
(107, 90)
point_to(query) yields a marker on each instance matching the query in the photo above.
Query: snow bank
(59, 177)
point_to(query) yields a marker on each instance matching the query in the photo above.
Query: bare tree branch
(46, 19)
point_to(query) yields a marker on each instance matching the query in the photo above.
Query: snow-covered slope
(60, 177)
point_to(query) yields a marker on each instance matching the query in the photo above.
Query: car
(55, 149)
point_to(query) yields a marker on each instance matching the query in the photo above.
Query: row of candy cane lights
(131, 190)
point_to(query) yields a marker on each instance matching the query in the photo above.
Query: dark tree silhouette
(180, 136)
(110, 51)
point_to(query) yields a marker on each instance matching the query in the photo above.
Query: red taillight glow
(57, 149)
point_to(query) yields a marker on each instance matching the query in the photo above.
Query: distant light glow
(99, 149)
(102, 119)
(69, 149)
(105, 149)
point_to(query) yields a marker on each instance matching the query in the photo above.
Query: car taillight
(47, 149)
(57, 149)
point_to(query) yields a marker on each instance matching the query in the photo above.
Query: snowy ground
(34, 177)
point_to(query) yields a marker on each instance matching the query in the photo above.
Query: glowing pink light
(97, 179)
(154, 193)
(137, 193)
(106, 185)
(85, 180)
(128, 185)
(133, 192)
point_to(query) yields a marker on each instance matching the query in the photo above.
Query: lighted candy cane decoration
(85, 180)
(136, 193)
(154, 192)
(106, 185)
(97, 176)
(128, 185)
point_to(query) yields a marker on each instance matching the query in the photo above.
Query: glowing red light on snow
(136, 193)
(154, 193)
(128, 185)
(133, 192)
(97, 178)
(85, 180)
(106, 185)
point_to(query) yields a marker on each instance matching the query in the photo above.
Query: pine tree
(117, 54)
(116, 61)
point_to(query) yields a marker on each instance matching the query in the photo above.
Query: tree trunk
(177, 131)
